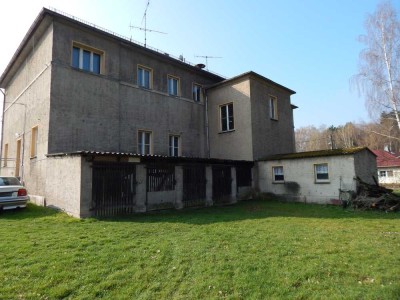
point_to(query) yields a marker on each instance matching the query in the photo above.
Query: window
(273, 108)
(197, 92)
(86, 59)
(227, 122)
(5, 156)
(321, 173)
(278, 174)
(18, 158)
(34, 142)
(386, 173)
(173, 86)
(144, 77)
(144, 142)
(173, 145)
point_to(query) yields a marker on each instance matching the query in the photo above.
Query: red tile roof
(386, 159)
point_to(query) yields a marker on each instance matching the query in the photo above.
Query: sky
(309, 46)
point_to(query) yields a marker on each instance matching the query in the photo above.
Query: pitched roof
(319, 153)
(386, 159)
(254, 75)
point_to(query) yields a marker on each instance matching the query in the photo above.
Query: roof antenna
(145, 25)
(207, 57)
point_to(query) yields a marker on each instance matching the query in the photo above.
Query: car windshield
(9, 181)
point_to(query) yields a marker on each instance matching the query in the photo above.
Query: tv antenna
(207, 57)
(145, 29)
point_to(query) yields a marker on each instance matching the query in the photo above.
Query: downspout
(2, 126)
(207, 128)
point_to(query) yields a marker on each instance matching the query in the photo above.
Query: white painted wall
(341, 175)
(395, 179)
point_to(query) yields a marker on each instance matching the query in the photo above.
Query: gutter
(207, 127)
(2, 127)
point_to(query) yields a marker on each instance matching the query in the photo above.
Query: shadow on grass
(251, 209)
(245, 210)
(32, 211)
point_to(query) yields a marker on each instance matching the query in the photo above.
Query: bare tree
(379, 68)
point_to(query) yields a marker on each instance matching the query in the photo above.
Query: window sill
(322, 182)
(278, 182)
(226, 131)
(86, 71)
(273, 119)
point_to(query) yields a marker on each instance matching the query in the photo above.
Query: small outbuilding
(316, 176)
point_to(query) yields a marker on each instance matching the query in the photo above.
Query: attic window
(86, 58)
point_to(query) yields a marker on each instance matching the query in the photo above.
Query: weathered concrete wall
(104, 112)
(236, 144)
(29, 89)
(64, 184)
(270, 136)
(365, 166)
(301, 171)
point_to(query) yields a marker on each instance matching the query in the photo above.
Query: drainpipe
(2, 126)
(207, 128)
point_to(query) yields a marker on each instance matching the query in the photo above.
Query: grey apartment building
(94, 123)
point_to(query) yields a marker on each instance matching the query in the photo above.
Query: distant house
(316, 176)
(388, 165)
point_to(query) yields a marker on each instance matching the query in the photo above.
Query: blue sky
(310, 46)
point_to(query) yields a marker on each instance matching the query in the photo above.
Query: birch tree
(379, 69)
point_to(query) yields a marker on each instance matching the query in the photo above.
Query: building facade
(317, 176)
(72, 87)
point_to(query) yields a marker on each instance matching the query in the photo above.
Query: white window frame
(92, 51)
(141, 142)
(141, 81)
(197, 92)
(222, 108)
(174, 142)
(171, 90)
(273, 107)
(276, 172)
(317, 171)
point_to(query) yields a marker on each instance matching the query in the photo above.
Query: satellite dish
(200, 66)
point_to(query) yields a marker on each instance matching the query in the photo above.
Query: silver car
(12, 193)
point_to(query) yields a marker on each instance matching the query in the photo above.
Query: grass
(253, 250)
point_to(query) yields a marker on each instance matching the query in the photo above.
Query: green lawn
(253, 250)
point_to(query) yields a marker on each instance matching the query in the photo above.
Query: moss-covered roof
(319, 153)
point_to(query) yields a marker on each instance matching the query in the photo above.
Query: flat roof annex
(319, 153)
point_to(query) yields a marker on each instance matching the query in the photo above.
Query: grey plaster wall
(104, 112)
(64, 184)
(271, 136)
(236, 144)
(365, 166)
(29, 91)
